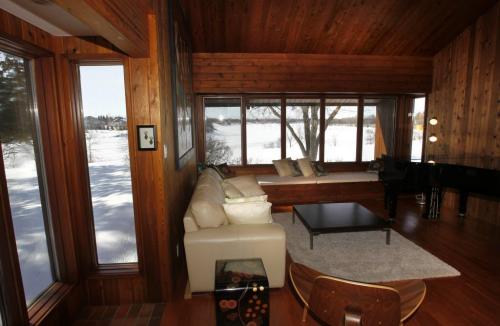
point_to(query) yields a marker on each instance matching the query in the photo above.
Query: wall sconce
(431, 162)
(433, 121)
(433, 138)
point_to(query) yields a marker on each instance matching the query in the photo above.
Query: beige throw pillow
(249, 213)
(231, 191)
(247, 185)
(207, 208)
(262, 198)
(305, 167)
(284, 167)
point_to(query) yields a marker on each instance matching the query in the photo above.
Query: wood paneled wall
(24, 33)
(248, 72)
(161, 193)
(465, 99)
(179, 184)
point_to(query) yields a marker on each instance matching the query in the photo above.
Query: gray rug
(362, 256)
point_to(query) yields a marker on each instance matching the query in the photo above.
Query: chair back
(341, 302)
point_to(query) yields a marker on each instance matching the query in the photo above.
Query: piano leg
(432, 203)
(462, 209)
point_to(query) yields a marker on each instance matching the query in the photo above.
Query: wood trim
(283, 127)
(243, 115)
(426, 124)
(127, 29)
(322, 130)
(359, 134)
(48, 302)
(21, 48)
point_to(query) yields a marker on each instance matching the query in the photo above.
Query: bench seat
(334, 187)
(334, 177)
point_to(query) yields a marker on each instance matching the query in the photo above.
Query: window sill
(49, 301)
(115, 270)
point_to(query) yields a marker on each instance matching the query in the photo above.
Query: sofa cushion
(249, 213)
(306, 167)
(246, 199)
(284, 167)
(207, 209)
(231, 191)
(247, 184)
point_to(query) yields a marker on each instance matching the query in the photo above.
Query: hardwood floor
(473, 298)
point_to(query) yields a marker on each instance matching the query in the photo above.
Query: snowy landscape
(111, 198)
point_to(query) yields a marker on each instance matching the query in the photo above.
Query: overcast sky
(103, 90)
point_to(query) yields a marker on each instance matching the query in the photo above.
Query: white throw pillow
(262, 198)
(284, 168)
(249, 213)
(247, 185)
(306, 167)
(231, 191)
(207, 209)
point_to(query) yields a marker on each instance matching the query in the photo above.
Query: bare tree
(309, 143)
(91, 138)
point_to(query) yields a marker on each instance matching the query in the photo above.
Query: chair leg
(304, 314)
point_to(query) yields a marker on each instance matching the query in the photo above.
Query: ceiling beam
(122, 22)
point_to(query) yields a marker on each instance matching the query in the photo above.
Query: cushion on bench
(335, 177)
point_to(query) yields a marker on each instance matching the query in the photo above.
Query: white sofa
(204, 246)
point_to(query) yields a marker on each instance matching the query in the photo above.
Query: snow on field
(27, 216)
(111, 190)
(112, 207)
(263, 142)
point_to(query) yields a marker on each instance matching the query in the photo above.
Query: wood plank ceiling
(383, 27)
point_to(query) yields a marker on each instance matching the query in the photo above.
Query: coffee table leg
(293, 216)
(388, 236)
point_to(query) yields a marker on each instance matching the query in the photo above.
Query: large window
(302, 128)
(355, 128)
(378, 127)
(23, 161)
(106, 135)
(223, 130)
(341, 128)
(263, 127)
(418, 128)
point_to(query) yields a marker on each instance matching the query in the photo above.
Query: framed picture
(146, 137)
(182, 83)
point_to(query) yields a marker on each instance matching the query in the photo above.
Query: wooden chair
(341, 302)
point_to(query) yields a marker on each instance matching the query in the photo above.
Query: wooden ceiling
(384, 27)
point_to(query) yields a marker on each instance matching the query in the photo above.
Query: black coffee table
(339, 217)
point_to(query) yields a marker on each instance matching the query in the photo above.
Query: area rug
(362, 256)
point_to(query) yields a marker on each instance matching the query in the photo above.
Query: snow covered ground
(263, 142)
(111, 189)
(112, 207)
(27, 216)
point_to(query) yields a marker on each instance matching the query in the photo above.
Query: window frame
(425, 124)
(97, 269)
(358, 143)
(357, 164)
(15, 310)
(246, 100)
(243, 125)
(394, 117)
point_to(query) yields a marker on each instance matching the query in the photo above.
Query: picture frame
(146, 138)
(182, 83)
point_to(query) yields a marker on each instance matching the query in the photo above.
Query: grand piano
(400, 176)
